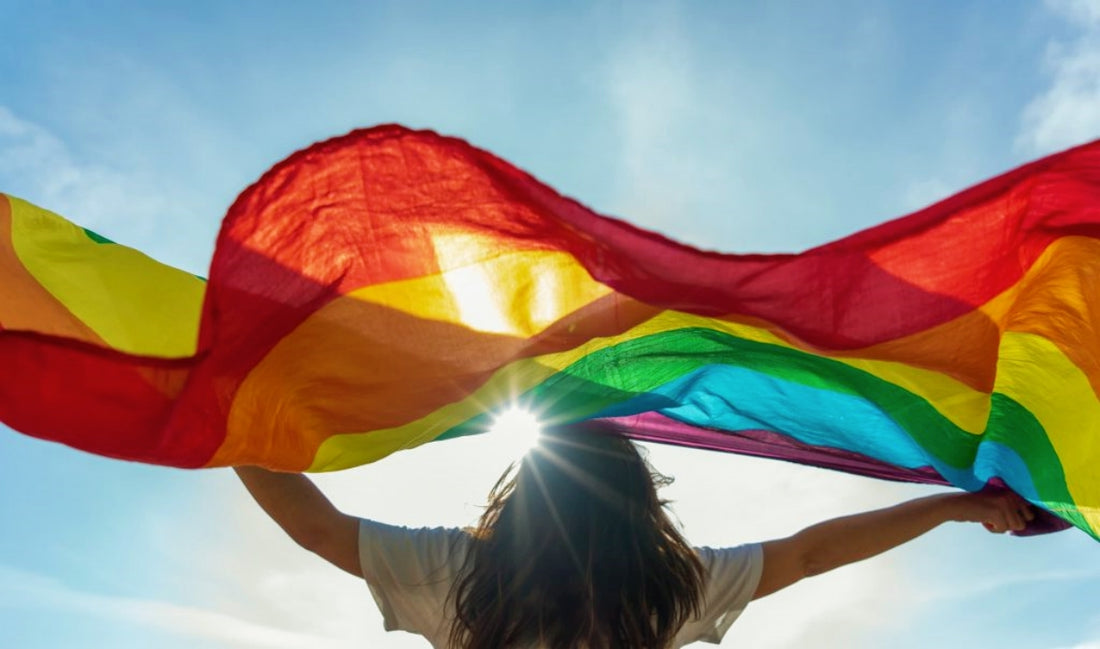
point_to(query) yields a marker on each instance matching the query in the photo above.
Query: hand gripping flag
(392, 287)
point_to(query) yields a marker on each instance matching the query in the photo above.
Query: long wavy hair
(575, 549)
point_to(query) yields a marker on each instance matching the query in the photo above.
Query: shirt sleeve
(410, 572)
(732, 577)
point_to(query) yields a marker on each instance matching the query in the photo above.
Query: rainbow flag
(391, 287)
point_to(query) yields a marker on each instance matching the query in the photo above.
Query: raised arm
(306, 515)
(845, 540)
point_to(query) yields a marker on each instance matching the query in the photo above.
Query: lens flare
(516, 428)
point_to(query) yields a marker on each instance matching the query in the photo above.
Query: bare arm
(845, 540)
(306, 515)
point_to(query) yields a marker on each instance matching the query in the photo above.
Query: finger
(1028, 512)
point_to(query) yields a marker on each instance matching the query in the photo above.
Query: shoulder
(732, 575)
(739, 565)
(371, 531)
(398, 551)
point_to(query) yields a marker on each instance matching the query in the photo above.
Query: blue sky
(745, 127)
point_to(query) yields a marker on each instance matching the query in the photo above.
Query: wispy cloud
(654, 90)
(840, 609)
(978, 587)
(1068, 111)
(131, 202)
(37, 165)
(20, 588)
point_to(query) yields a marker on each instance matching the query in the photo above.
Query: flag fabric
(392, 287)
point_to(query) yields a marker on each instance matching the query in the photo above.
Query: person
(576, 549)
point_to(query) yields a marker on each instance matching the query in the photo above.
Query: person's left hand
(997, 511)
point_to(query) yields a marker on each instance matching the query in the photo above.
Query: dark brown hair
(575, 549)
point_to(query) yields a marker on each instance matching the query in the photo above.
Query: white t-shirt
(410, 572)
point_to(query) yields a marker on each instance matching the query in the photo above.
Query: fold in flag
(391, 287)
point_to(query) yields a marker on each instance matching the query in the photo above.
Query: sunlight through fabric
(390, 288)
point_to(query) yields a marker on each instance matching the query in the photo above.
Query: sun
(517, 428)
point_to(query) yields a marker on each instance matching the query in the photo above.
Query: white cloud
(19, 588)
(1082, 11)
(1068, 111)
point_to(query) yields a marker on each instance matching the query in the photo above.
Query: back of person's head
(576, 549)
